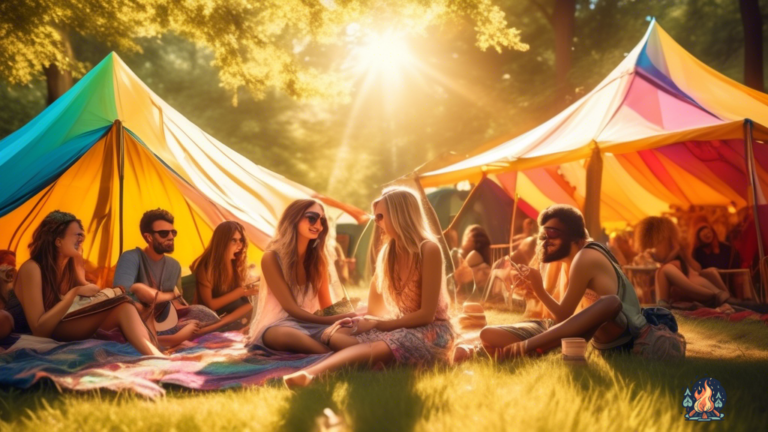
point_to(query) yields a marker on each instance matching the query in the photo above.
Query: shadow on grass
(742, 379)
(372, 401)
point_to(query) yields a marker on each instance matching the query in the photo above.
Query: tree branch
(547, 14)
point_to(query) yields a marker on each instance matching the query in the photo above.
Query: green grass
(620, 393)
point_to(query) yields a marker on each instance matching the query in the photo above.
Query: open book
(105, 299)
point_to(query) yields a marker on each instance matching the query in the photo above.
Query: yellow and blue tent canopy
(670, 130)
(110, 149)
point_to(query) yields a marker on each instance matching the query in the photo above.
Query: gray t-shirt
(129, 272)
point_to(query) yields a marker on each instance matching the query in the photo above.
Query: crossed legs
(371, 353)
(292, 340)
(671, 280)
(601, 320)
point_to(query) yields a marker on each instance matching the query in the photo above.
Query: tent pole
(512, 223)
(121, 174)
(592, 198)
(515, 198)
(750, 155)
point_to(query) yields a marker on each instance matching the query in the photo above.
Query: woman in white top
(295, 284)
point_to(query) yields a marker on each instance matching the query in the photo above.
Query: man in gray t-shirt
(144, 272)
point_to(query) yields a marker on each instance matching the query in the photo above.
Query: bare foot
(298, 379)
(463, 353)
(511, 351)
(722, 296)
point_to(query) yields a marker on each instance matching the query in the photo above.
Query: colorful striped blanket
(212, 362)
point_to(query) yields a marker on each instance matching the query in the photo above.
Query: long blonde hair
(411, 229)
(285, 244)
(223, 274)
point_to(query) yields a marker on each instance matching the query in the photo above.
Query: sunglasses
(164, 233)
(550, 233)
(313, 217)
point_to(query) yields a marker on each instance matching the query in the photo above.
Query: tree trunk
(752, 22)
(563, 23)
(59, 79)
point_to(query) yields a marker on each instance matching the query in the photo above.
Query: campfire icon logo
(706, 402)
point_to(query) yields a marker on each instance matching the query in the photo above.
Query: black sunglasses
(313, 217)
(164, 233)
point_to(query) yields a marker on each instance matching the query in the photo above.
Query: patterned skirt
(416, 346)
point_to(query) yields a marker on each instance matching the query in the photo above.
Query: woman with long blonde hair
(678, 277)
(295, 283)
(407, 302)
(221, 272)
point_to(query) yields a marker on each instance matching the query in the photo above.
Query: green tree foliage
(253, 42)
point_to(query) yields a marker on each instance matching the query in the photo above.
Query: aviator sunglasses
(313, 217)
(550, 233)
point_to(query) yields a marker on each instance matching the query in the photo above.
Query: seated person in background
(152, 277)
(709, 251)
(529, 229)
(612, 320)
(221, 273)
(620, 245)
(474, 259)
(680, 277)
(7, 274)
(47, 284)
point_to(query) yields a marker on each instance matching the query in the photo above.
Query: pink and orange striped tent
(670, 131)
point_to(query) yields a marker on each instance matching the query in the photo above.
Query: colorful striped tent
(109, 149)
(662, 129)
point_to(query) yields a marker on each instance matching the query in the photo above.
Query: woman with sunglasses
(47, 284)
(220, 274)
(295, 284)
(408, 302)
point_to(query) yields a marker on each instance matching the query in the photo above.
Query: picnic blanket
(212, 362)
(724, 312)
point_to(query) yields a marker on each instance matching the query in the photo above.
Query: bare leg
(371, 353)
(239, 313)
(494, 339)
(670, 276)
(292, 340)
(711, 275)
(342, 339)
(123, 316)
(584, 324)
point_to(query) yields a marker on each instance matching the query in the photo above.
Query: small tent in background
(487, 205)
(110, 149)
(662, 129)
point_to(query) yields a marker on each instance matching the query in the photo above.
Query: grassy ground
(545, 394)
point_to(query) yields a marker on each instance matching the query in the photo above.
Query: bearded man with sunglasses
(152, 277)
(589, 276)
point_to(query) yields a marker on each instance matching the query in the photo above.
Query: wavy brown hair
(285, 244)
(481, 242)
(214, 266)
(654, 231)
(44, 252)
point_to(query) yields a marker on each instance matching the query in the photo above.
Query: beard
(561, 252)
(160, 248)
